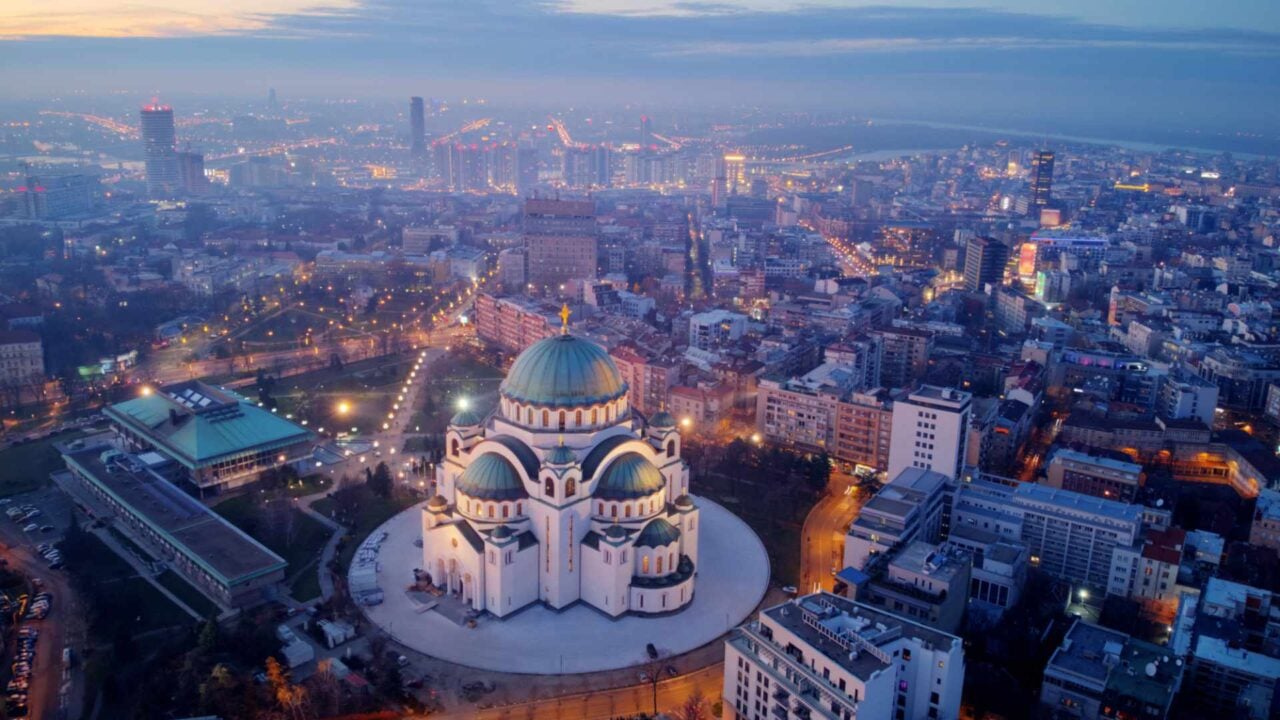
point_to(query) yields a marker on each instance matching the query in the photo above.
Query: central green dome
(564, 371)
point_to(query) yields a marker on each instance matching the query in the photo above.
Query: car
(46, 528)
(790, 589)
(30, 528)
(44, 547)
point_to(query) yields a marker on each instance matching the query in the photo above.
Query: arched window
(659, 564)
(570, 488)
(466, 505)
(506, 511)
(626, 511)
(455, 448)
(528, 416)
(550, 488)
(491, 511)
(561, 420)
(519, 508)
(672, 561)
(671, 448)
(644, 564)
(546, 418)
(600, 508)
(595, 416)
(577, 419)
(613, 510)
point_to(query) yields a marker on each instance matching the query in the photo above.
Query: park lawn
(187, 593)
(309, 534)
(306, 586)
(26, 467)
(373, 512)
(109, 571)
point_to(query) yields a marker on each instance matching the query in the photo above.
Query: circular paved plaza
(733, 576)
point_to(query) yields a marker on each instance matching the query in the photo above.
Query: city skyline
(992, 63)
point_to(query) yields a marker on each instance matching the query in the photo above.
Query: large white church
(563, 494)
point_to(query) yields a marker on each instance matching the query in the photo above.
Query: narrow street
(822, 545)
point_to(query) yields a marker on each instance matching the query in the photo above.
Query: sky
(1189, 63)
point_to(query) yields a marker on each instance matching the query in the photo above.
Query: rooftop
(198, 423)
(211, 542)
(836, 627)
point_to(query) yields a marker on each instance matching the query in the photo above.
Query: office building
(930, 431)
(825, 657)
(1148, 571)
(561, 239)
(646, 132)
(715, 328)
(60, 196)
(864, 429)
(984, 261)
(216, 439)
(1041, 180)
(1099, 673)
(912, 506)
(1230, 637)
(191, 177)
(1070, 536)
(417, 129)
(924, 583)
(904, 355)
(216, 557)
(1096, 475)
(159, 151)
(512, 323)
(21, 359)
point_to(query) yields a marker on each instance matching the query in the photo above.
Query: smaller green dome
(615, 532)
(662, 419)
(502, 532)
(684, 501)
(465, 418)
(629, 477)
(658, 533)
(437, 503)
(491, 477)
(561, 455)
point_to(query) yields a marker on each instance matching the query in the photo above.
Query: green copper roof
(658, 533)
(564, 371)
(465, 418)
(628, 477)
(491, 477)
(662, 419)
(561, 455)
(197, 436)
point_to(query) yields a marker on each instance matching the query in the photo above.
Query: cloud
(21, 19)
(849, 46)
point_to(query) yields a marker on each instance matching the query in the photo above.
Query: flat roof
(840, 616)
(208, 540)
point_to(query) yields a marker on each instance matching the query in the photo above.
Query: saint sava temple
(563, 495)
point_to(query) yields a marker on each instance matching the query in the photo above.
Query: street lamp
(344, 407)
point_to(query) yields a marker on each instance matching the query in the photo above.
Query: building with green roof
(216, 439)
(562, 495)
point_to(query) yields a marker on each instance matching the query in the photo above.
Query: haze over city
(640, 360)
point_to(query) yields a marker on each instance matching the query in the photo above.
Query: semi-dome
(662, 419)
(628, 477)
(561, 455)
(658, 533)
(465, 418)
(491, 477)
(564, 371)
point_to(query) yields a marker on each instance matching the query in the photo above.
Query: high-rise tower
(417, 128)
(159, 151)
(1041, 179)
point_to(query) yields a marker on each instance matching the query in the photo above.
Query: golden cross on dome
(565, 312)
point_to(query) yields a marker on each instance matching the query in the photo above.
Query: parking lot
(38, 676)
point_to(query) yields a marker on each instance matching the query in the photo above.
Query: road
(606, 704)
(822, 546)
